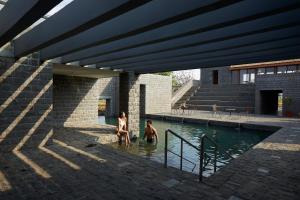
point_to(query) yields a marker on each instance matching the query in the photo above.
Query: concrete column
(130, 101)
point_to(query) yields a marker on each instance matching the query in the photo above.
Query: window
(244, 76)
(270, 70)
(281, 70)
(252, 75)
(291, 69)
(261, 71)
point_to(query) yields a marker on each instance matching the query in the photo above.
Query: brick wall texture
(158, 93)
(224, 75)
(109, 89)
(288, 83)
(75, 100)
(25, 102)
(130, 101)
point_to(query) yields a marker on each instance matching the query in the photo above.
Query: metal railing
(202, 154)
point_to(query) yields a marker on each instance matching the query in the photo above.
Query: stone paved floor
(71, 168)
(75, 166)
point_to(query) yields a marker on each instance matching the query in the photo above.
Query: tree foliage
(179, 77)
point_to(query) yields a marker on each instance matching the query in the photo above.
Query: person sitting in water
(122, 128)
(150, 132)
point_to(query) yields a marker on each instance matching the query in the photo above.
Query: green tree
(174, 80)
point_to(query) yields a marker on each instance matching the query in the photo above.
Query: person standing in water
(122, 128)
(150, 132)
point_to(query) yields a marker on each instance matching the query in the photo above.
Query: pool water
(230, 140)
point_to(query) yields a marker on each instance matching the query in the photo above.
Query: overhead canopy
(18, 15)
(159, 35)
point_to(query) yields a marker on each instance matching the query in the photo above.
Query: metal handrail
(203, 155)
(184, 159)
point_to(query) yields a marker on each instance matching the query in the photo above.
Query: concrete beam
(69, 70)
(223, 61)
(150, 16)
(265, 24)
(17, 15)
(256, 42)
(235, 14)
(75, 18)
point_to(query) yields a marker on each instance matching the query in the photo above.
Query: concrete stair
(238, 97)
(186, 97)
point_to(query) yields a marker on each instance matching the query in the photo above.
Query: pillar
(130, 101)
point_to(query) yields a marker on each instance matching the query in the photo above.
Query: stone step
(223, 98)
(219, 102)
(220, 108)
(185, 97)
(223, 93)
(244, 86)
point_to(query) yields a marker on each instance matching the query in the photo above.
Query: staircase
(183, 94)
(185, 97)
(238, 97)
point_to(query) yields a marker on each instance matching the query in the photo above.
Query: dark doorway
(215, 77)
(142, 100)
(270, 104)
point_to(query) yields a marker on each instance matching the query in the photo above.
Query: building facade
(262, 88)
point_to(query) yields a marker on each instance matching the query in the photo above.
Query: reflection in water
(233, 141)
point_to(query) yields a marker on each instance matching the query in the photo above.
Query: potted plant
(288, 101)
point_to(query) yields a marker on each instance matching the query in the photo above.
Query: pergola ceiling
(152, 36)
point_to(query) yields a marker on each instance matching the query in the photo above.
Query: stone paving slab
(79, 170)
(104, 173)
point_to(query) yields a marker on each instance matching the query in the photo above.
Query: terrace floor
(73, 165)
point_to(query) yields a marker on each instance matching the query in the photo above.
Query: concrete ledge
(215, 122)
(71, 70)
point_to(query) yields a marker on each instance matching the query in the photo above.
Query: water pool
(231, 140)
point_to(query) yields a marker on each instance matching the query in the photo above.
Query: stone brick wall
(130, 101)
(224, 75)
(158, 93)
(75, 100)
(288, 83)
(25, 102)
(109, 89)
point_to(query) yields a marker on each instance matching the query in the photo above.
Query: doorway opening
(215, 77)
(142, 100)
(271, 102)
(104, 107)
